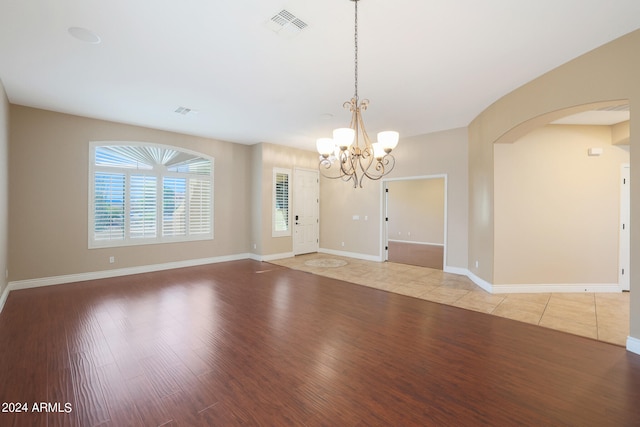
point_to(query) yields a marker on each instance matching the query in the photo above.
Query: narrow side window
(281, 202)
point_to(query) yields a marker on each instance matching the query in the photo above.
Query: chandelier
(350, 149)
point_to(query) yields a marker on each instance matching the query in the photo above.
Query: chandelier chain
(355, 37)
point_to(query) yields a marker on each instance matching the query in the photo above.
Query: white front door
(305, 211)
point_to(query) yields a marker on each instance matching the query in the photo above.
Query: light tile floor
(601, 316)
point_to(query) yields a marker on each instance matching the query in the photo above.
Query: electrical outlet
(112, 259)
(342, 244)
(477, 263)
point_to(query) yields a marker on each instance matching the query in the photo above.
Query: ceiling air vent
(286, 23)
(184, 111)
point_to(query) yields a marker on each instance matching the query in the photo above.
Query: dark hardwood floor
(250, 343)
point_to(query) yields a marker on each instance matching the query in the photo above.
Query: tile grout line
(545, 308)
(499, 304)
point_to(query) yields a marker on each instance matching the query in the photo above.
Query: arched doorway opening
(559, 208)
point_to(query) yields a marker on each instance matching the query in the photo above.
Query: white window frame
(160, 173)
(274, 210)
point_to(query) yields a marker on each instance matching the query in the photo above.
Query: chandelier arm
(365, 136)
(347, 163)
(383, 166)
(355, 114)
(366, 160)
(326, 165)
(355, 179)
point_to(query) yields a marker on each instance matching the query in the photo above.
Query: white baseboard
(413, 242)
(555, 288)
(81, 277)
(456, 270)
(255, 257)
(535, 288)
(633, 345)
(487, 286)
(355, 255)
(4, 296)
(273, 257)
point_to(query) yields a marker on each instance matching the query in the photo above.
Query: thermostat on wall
(595, 151)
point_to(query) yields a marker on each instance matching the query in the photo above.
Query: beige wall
(416, 210)
(4, 189)
(48, 202)
(556, 208)
(339, 202)
(605, 74)
(432, 154)
(256, 243)
(277, 156)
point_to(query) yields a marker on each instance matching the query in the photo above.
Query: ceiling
(425, 65)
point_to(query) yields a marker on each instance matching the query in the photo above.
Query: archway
(556, 202)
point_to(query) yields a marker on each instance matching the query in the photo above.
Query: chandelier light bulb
(388, 139)
(344, 137)
(378, 151)
(325, 146)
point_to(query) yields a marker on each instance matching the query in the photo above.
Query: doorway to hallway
(415, 217)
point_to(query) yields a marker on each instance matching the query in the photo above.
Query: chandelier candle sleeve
(350, 155)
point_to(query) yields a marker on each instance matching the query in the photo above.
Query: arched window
(144, 193)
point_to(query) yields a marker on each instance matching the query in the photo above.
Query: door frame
(296, 170)
(384, 232)
(624, 267)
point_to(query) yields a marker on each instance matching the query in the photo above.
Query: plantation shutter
(143, 209)
(148, 193)
(174, 220)
(200, 206)
(109, 208)
(281, 190)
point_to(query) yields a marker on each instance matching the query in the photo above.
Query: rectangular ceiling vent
(286, 23)
(184, 111)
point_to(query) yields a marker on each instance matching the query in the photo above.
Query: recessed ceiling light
(84, 35)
